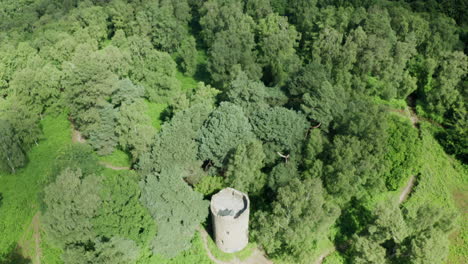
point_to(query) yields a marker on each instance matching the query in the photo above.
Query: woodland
(345, 121)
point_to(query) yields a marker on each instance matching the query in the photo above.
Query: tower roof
(229, 202)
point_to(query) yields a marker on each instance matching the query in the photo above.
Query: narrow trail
(112, 167)
(76, 136)
(407, 190)
(37, 238)
(257, 256)
(31, 247)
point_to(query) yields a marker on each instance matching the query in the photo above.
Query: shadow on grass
(15, 257)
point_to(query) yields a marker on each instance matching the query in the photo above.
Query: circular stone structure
(230, 214)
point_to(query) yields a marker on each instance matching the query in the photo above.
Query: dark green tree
(277, 42)
(226, 128)
(71, 202)
(299, 217)
(176, 208)
(244, 168)
(12, 155)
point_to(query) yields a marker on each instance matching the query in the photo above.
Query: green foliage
(298, 219)
(403, 152)
(188, 56)
(76, 156)
(111, 66)
(135, 131)
(121, 214)
(243, 171)
(176, 208)
(175, 145)
(277, 42)
(12, 155)
(153, 69)
(223, 131)
(21, 191)
(38, 86)
(72, 198)
(209, 185)
(281, 130)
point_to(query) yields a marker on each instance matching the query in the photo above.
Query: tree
(38, 87)
(367, 251)
(232, 50)
(24, 121)
(153, 69)
(176, 208)
(244, 168)
(175, 145)
(76, 156)
(258, 9)
(281, 130)
(11, 154)
(217, 16)
(126, 93)
(223, 131)
(188, 56)
(250, 95)
(71, 202)
(115, 250)
(101, 130)
(134, 130)
(324, 104)
(121, 214)
(299, 217)
(277, 43)
(89, 83)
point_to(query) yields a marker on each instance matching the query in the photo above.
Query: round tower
(230, 214)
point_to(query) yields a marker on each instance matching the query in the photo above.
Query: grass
(334, 258)
(220, 255)
(442, 183)
(188, 83)
(399, 104)
(117, 158)
(21, 191)
(155, 111)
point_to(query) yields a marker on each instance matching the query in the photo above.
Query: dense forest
(345, 122)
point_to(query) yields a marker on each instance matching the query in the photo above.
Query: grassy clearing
(155, 111)
(442, 183)
(187, 83)
(21, 191)
(117, 158)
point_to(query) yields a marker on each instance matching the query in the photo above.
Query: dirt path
(407, 190)
(324, 255)
(257, 256)
(77, 137)
(112, 167)
(37, 238)
(31, 247)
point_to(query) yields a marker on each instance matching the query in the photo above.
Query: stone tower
(230, 214)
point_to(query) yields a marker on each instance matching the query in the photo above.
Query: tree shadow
(15, 257)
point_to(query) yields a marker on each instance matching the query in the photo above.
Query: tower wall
(230, 214)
